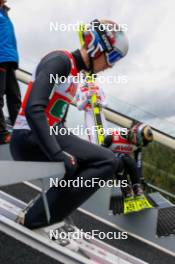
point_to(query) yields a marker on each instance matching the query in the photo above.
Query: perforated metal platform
(166, 221)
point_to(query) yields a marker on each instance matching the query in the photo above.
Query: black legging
(94, 162)
(9, 87)
(129, 167)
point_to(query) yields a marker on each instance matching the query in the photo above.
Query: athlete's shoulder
(65, 55)
(56, 62)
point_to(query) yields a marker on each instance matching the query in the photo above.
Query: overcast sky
(149, 64)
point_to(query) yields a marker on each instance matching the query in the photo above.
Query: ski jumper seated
(45, 104)
(125, 146)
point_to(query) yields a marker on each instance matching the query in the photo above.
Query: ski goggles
(98, 42)
(111, 52)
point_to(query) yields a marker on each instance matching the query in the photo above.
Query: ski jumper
(123, 149)
(44, 105)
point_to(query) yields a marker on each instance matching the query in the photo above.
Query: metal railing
(114, 117)
(164, 192)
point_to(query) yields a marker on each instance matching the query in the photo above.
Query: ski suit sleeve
(81, 99)
(38, 100)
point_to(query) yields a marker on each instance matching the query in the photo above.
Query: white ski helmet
(104, 37)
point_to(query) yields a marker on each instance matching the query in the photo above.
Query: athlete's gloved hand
(70, 162)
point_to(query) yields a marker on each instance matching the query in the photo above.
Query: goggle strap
(103, 36)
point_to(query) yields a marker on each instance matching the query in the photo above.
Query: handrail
(113, 116)
(155, 188)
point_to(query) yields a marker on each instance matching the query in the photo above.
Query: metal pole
(45, 202)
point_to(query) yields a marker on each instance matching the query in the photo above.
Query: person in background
(83, 100)
(8, 64)
(138, 136)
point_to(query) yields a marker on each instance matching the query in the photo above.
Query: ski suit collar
(79, 60)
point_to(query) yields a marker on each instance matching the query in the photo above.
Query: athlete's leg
(23, 147)
(94, 162)
(2, 92)
(122, 175)
(131, 169)
(13, 94)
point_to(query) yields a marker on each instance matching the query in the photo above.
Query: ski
(97, 118)
(136, 204)
(121, 205)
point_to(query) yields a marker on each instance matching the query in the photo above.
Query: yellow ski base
(136, 204)
(97, 115)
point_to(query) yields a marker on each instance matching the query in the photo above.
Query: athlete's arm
(38, 100)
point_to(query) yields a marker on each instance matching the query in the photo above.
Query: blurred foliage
(159, 166)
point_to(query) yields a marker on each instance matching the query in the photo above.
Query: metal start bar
(19, 171)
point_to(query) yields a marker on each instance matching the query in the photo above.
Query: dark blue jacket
(8, 47)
